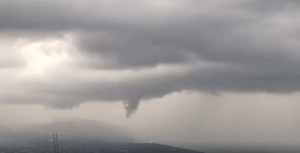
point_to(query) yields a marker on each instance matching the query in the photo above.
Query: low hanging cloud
(135, 50)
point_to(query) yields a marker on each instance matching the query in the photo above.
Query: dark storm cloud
(214, 81)
(269, 7)
(261, 55)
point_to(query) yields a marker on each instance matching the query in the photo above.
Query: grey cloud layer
(251, 36)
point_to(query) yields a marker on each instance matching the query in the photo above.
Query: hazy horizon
(179, 72)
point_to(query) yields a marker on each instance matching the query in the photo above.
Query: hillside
(92, 146)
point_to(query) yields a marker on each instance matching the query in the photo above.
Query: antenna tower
(55, 143)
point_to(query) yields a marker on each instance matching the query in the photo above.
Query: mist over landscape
(136, 76)
(69, 129)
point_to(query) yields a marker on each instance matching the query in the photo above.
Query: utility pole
(54, 143)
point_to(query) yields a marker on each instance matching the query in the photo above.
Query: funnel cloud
(62, 54)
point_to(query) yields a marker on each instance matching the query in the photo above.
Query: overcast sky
(173, 71)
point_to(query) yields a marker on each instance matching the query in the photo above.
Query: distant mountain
(153, 148)
(78, 136)
(66, 129)
(95, 146)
